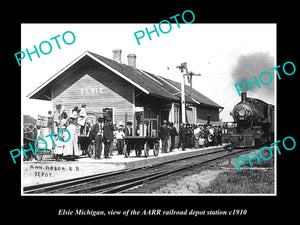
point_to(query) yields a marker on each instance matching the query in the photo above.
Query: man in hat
(209, 132)
(107, 138)
(183, 136)
(164, 136)
(201, 136)
(189, 136)
(215, 135)
(82, 118)
(173, 133)
(97, 135)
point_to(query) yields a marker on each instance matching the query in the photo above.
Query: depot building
(108, 85)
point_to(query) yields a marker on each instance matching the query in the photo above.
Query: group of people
(75, 124)
(101, 133)
(167, 133)
(200, 135)
(190, 136)
(67, 144)
(104, 133)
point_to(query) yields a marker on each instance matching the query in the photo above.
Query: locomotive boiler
(253, 123)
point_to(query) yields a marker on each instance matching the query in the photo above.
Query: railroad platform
(47, 171)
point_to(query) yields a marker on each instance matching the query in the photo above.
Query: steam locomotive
(253, 124)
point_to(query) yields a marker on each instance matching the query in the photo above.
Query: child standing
(120, 135)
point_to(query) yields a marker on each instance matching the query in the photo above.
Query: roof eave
(86, 53)
(35, 91)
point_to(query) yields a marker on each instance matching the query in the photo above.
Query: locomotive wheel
(146, 149)
(156, 149)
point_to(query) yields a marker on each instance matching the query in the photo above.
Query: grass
(246, 181)
(258, 179)
(249, 180)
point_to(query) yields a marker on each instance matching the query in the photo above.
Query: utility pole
(181, 68)
(190, 80)
(189, 75)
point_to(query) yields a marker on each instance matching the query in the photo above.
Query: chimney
(117, 55)
(244, 96)
(131, 60)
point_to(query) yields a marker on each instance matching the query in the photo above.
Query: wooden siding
(97, 87)
(152, 105)
(91, 83)
(203, 111)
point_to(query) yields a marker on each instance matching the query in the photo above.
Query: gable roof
(146, 82)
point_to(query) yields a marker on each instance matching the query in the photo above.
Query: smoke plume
(250, 65)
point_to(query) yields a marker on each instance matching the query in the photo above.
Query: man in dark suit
(97, 135)
(107, 138)
(164, 136)
(173, 133)
(219, 135)
(128, 132)
(183, 136)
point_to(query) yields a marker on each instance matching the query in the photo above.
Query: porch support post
(172, 113)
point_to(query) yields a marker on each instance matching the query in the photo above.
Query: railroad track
(127, 179)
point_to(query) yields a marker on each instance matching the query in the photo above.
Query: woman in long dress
(71, 148)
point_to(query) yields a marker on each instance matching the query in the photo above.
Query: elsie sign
(87, 91)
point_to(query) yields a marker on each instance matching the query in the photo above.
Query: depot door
(165, 113)
(191, 115)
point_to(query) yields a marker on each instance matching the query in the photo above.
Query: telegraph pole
(181, 68)
(189, 75)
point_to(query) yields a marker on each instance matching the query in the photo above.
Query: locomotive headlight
(242, 112)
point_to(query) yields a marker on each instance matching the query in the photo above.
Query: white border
(147, 92)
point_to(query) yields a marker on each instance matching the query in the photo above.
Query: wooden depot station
(107, 85)
(125, 93)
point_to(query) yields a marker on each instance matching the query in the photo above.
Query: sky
(213, 50)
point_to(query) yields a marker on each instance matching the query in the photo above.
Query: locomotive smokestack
(244, 96)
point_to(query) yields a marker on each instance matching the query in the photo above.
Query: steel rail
(110, 184)
(125, 184)
(40, 188)
(58, 185)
